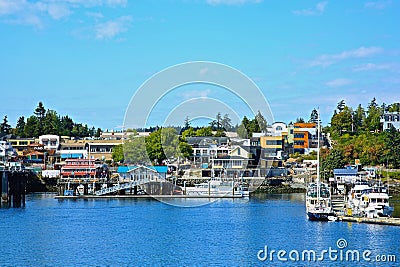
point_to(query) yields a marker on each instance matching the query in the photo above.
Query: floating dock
(145, 196)
(380, 220)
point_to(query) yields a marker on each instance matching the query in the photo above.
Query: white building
(50, 141)
(391, 119)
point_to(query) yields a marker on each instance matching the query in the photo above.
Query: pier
(380, 220)
(13, 188)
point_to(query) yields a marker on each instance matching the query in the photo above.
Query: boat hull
(319, 216)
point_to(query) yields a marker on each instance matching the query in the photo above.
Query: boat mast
(318, 128)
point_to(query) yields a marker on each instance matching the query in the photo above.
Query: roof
(345, 172)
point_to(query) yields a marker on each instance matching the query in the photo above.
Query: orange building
(302, 136)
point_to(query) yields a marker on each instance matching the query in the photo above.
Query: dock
(148, 197)
(380, 220)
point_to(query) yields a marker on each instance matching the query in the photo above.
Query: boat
(216, 187)
(374, 202)
(318, 195)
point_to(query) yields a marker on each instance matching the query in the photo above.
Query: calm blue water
(150, 233)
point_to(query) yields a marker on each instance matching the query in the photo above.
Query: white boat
(374, 202)
(216, 187)
(318, 195)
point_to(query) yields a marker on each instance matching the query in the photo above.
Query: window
(299, 135)
(279, 128)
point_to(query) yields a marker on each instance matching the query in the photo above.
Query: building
(389, 120)
(21, 144)
(84, 168)
(102, 149)
(134, 173)
(50, 142)
(271, 146)
(342, 176)
(72, 150)
(305, 137)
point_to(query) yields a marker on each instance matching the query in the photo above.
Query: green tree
(358, 118)
(51, 122)
(342, 121)
(20, 127)
(189, 132)
(135, 151)
(204, 131)
(392, 145)
(300, 120)
(341, 105)
(31, 127)
(40, 113)
(241, 131)
(4, 126)
(187, 122)
(98, 132)
(118, 153)
(314, 116)
(226, 123)
(154, 147)
(372, 121)
(261, 122)
(66, 126)
(334, 159)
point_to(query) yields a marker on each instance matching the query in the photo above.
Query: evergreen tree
(187, 123)
(40, 112)
(358, 118)
(31, 127)
(20, 127)
(5, 127)
(341, 105)
(226, 123)
(314, 116)
(372, 121)
(261, 122)
(51, 123)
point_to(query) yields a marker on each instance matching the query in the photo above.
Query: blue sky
(86, 58)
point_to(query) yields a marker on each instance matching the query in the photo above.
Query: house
(134, 173)
(21, 144)
(49, 141)
(389, 120)
(344, 176)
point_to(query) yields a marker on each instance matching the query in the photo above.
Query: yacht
(318, 196)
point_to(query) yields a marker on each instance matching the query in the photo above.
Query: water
(140, 232)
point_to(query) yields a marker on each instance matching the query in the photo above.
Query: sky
(87, 58)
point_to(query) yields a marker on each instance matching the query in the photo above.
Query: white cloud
(232, 2)
(372, 66)
(377, 4)
(327, 60)
(339, 82)
(34, 13)
(319, 9)
(194, 94)
(111, 28)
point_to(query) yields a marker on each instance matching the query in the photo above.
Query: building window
(298, 135)
(279, 128)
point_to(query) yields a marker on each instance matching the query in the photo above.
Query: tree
(31, 127)
(342, 121)
(226, 122)
(135, 151)
(205, 131)
(314, 116)
(187, 123)
(66, 126)
(372, 121)
(332, 160)
(51, 123)
(118, 153)
(5, 127)
(98, 132)
(241, 131)
(261, 122)
(358, 118)
(300, 120)
(154, 147)
(20, 127)
(392, 145)
(40, 112)
(189, 132)
(341, 105)
(218, 120)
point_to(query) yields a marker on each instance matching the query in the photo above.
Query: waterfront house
(134, 172)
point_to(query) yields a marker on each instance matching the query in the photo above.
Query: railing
(125, 186)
